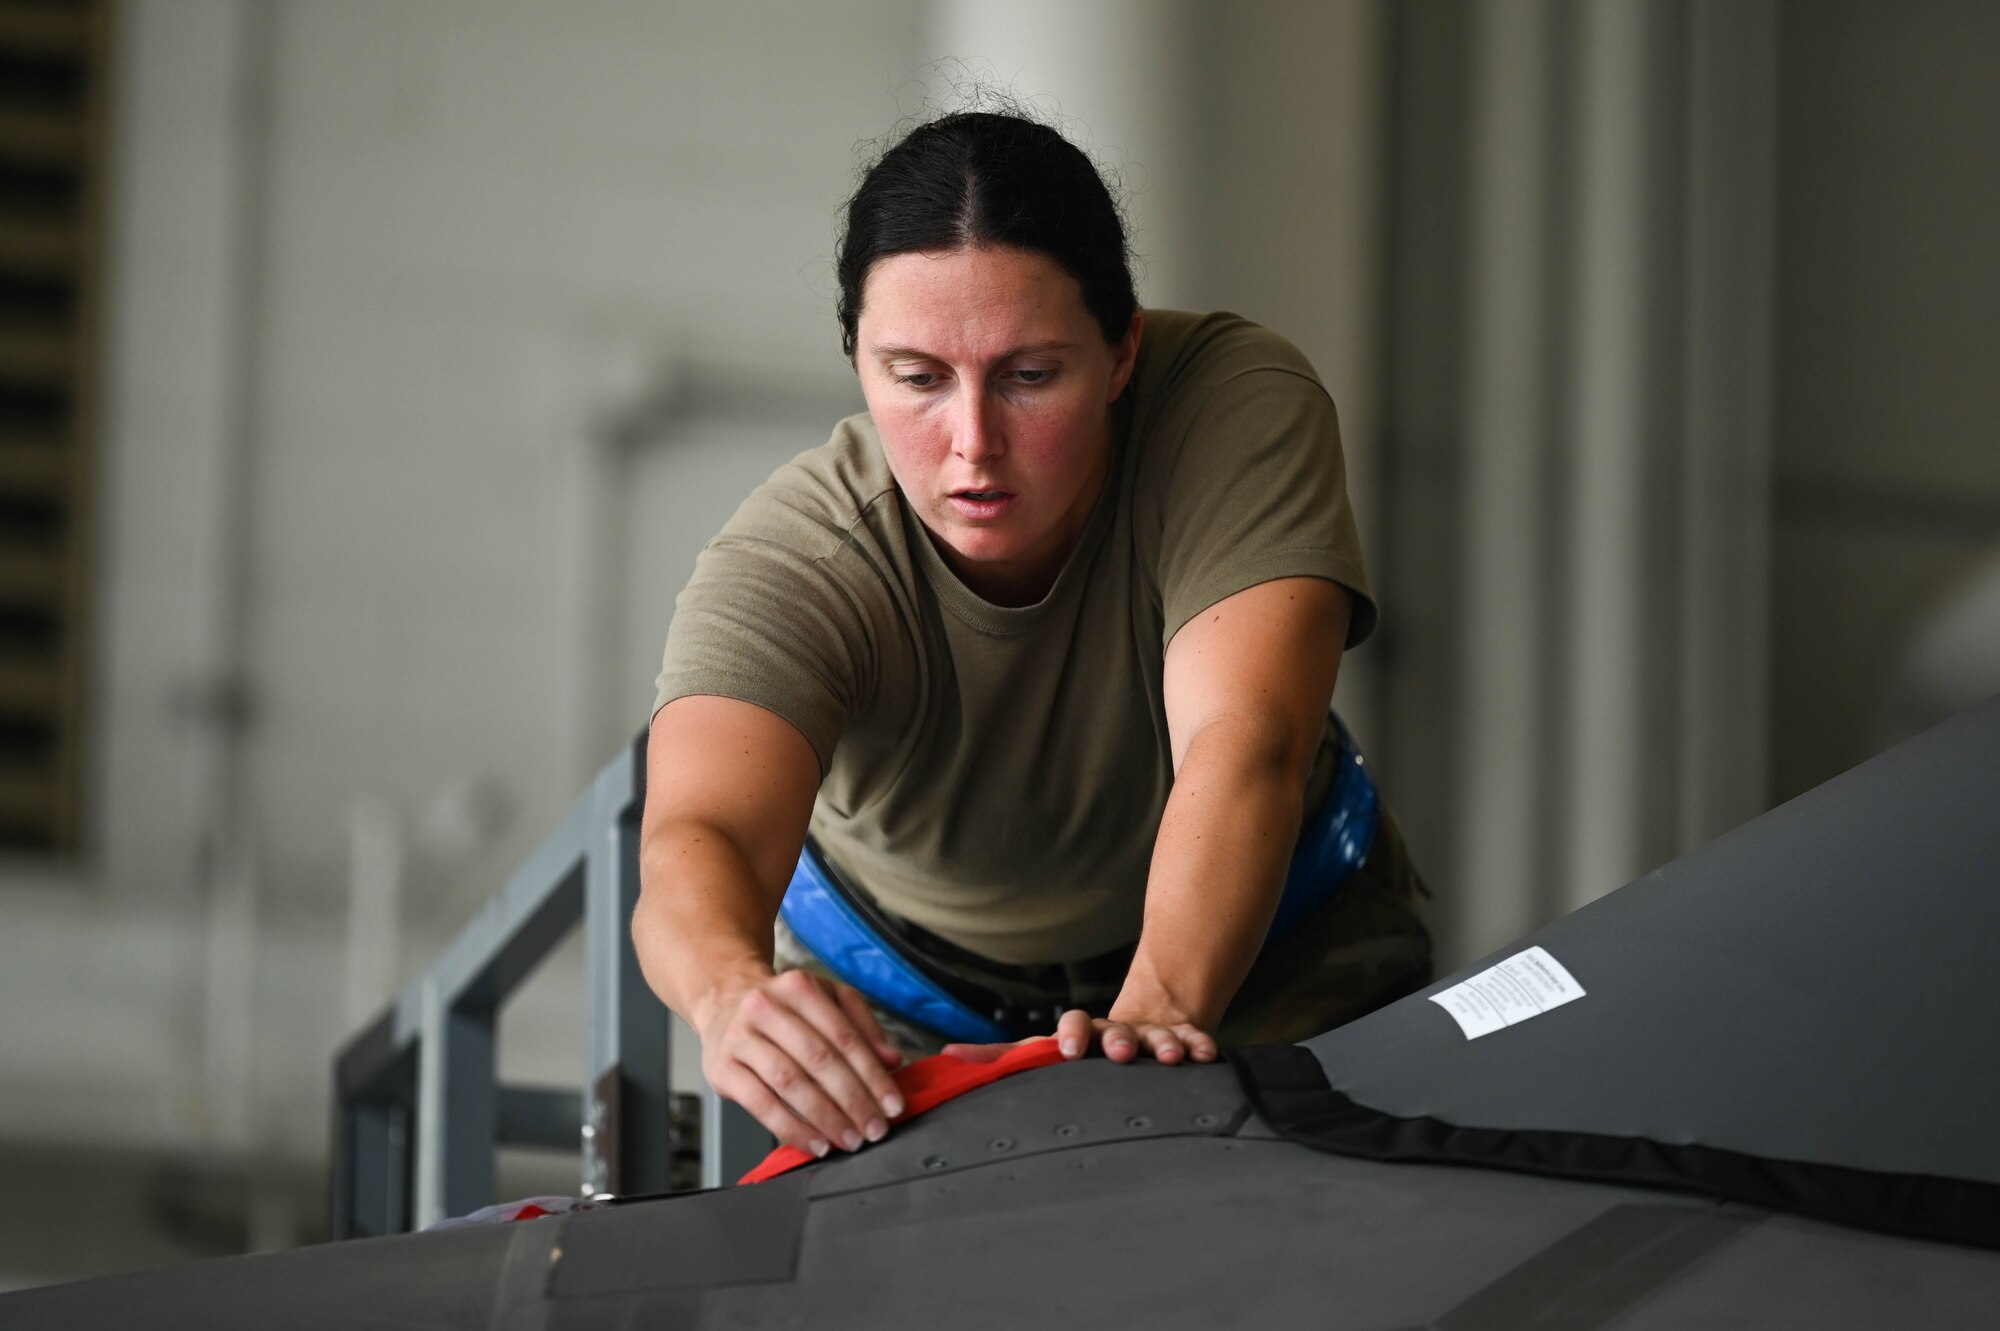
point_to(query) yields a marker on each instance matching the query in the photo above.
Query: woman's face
(991, 386)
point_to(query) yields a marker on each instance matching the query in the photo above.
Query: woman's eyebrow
(917, 353)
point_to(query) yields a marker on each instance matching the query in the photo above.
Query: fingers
(1119, 1039)
(1074, 1030)
(1201, 1046)
(1161, 1043)
(1172, 1044)
(793, 1051)
(857, 1010)
(801, 1018)
(842, 1017)
(780, 1077)
(735, 1080)
(1124, 1041)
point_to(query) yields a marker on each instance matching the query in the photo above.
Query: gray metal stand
(418, 1106)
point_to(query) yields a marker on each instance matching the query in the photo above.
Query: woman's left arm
(1247, 684)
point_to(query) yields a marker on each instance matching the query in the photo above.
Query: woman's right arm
(729, 791)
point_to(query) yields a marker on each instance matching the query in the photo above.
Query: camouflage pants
(1364, 947)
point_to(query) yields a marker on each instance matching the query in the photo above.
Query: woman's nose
(976, 433)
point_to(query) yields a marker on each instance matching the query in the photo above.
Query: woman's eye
(1033, 377)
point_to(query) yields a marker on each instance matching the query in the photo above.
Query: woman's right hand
(729, 793)
(805, 1057)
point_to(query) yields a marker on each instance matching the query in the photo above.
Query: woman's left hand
(1122, 1038)
(1125, 1036)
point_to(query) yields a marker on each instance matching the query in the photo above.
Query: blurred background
(372, 370)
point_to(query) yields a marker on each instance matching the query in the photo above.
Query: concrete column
(183, 248)
(1294, 137)
(1612, 461)
(1726, 423)
(1506, 519)
(1116, 75)
(1668, 429)
(1614, 357)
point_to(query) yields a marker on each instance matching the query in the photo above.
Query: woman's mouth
(981, 504)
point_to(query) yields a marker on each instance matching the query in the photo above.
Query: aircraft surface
(1753, 1088)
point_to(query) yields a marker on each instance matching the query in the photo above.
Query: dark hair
(988, 179)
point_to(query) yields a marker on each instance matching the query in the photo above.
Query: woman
(1040, 651)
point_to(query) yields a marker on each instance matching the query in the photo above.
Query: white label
(1523, 986)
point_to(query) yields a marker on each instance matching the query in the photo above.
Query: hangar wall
(1578, 333)
(444, 335)
(1799, 559)
(390, 277)
(1887, 482)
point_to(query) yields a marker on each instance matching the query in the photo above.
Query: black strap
(1290, 1090)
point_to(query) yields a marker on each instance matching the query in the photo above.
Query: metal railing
(418, 1108)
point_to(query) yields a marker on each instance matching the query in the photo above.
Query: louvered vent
(53, 70)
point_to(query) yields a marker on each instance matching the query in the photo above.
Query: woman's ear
(1125, 355)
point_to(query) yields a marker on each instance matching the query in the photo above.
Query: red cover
(925, 1085)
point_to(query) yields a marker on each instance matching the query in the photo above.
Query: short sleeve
(1256, 489)
(773, 622)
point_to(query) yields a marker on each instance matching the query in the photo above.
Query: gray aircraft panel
(1169, 1231)
(1115, 1226)
(1093, 1103)
(1814, 986)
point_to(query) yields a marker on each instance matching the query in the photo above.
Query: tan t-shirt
(994, 774)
